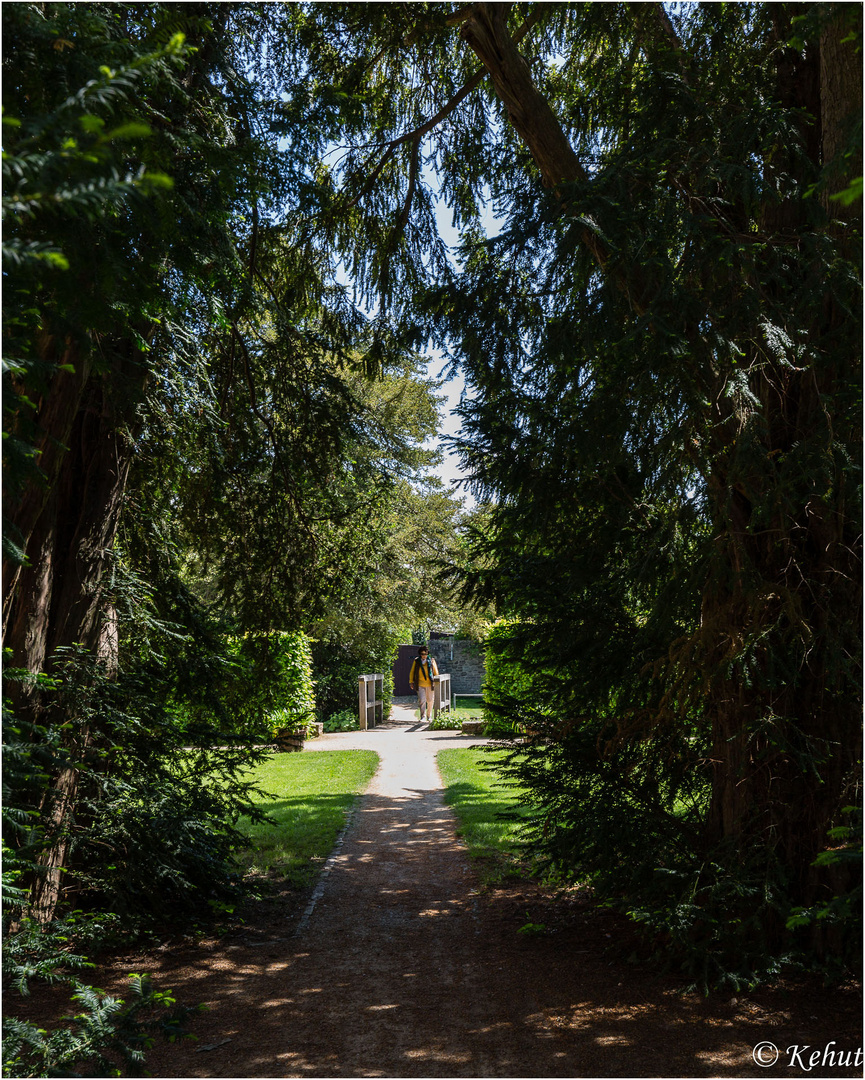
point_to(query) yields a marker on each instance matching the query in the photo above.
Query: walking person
(423, 670)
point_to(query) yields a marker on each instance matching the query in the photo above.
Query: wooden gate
(402, 669)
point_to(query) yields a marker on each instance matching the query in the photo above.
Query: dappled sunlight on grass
(308, 796)
(488, 810)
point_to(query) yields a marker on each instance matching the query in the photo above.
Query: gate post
(441, 693)
(370, 692)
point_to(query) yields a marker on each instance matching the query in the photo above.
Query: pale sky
(454, 387)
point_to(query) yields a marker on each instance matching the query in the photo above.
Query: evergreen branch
(534, 120)
(412, 184)
(419, 132)
(656, 15)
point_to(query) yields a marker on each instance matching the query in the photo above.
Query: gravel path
(399, 969)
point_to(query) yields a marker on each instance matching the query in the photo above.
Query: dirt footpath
(397, 966)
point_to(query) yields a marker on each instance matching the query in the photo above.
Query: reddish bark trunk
(841, 103)
(59, 598)
(55, 416)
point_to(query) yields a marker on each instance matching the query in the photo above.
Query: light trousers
(425, 701)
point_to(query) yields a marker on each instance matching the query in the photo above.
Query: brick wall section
(467, 666)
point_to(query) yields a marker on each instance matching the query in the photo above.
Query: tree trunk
(55, 416)
(841, 104)
(770, 786)
(786, 733)
(59, 598)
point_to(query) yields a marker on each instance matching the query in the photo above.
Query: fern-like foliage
(105, 1036)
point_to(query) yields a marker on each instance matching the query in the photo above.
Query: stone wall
(466, 668)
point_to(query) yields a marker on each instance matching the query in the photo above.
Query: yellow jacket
(420, 673)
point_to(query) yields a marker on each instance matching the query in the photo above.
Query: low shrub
(344, 720)
(496, 727)
(103, 1033)
(445, 721)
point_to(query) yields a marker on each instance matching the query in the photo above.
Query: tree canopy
(222, 261)
(204, 436)
(663, 348)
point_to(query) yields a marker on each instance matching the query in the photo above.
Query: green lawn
(488, 813)
(465, 707)
(311, 795)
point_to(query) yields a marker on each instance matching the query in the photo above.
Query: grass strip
(309, 796)
(468, 707)
(488, 811)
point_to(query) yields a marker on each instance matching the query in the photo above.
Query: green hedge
(283, 661)
(506, 683)
(262, 682)
(265, 685)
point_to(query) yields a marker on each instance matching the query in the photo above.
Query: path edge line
(330, 862)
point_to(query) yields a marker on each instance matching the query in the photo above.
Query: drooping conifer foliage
(673, 442)
(191, 454)
(663, 347)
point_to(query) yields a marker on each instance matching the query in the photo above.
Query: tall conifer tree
(663, 348)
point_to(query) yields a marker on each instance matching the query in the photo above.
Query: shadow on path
(403, 972)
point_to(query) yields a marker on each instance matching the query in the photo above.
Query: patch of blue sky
(439, 366)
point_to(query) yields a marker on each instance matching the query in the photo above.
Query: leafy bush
(495, 727)
(282, 662)
(505, 677)
(445, 721)
(508, 683)
(345, 720)
(263, 684)
(294, 685)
